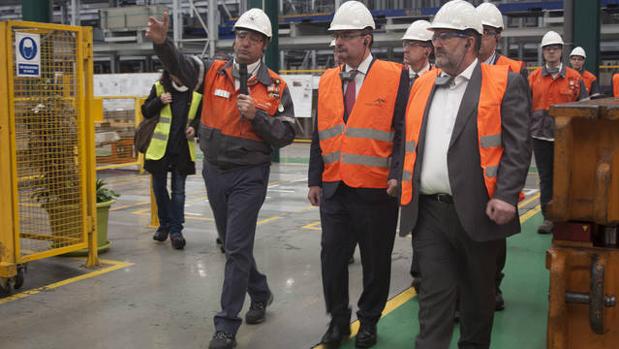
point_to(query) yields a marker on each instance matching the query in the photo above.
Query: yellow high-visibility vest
(156, 148)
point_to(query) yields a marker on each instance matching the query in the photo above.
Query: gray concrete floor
(167, 298)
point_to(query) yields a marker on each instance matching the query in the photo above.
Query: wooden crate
(586, 156)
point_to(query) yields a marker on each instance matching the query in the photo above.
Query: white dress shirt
(441, 120)
(362, 72)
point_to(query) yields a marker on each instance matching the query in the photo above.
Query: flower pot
(103, 244)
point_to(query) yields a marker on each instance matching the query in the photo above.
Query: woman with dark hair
(171, 149)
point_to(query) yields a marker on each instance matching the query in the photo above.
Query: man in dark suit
(467, 153)
(353, 173)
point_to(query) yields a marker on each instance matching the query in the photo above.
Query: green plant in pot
(105, 198)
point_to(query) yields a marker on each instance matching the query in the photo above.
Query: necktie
(350, 95)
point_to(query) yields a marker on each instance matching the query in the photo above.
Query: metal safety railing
(47, 196)
(116, 120)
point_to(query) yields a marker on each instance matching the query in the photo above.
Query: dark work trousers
(236, 196)
(170, 205)
(544, 159)
(348, 218)
(452, 265)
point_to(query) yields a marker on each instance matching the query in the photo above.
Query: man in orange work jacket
(553, 83)
(615, 85)
(467, 153)
(238, 132)
(352, 175)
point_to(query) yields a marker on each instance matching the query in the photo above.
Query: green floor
(521, 325)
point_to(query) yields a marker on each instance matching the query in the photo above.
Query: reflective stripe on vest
(220, 111)
(616, 85)
(493, 86)
(514, 65)
(157, 147)
(358, 152)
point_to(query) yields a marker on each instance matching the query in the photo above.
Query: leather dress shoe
(336, 334)
(366, 338)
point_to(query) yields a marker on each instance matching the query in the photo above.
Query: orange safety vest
(616, 85)
(358, 152)
(493, 87)
(514, 65)
(588, 78)
(219, 110)
(547, 91)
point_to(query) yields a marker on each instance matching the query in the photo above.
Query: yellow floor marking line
(137, 204)
(530, 213)
(269, 219)
(313, 226)
(111, 266)
(529, 200)
(410, 293)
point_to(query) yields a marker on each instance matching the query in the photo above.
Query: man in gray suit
(466, 160)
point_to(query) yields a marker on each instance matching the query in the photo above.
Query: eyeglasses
(553, 47)
(345, 36)
(413, 43)
(254, 38)
(444, 36)
(490, 32)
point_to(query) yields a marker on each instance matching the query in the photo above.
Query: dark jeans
(544, 160)
(170, 208)
(236, 196)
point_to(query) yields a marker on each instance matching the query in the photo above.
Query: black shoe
(546, 227)
(257, 311)
(366, 338)
(336, 333)
(499, 302)
(222, 340)
(177, 240)
(161, 234)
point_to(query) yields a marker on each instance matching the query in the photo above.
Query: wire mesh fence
(47, 136)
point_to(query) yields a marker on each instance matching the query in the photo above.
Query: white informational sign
(300, 87)
(28, 55)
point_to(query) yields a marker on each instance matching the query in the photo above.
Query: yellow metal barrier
(47, 172)
(115, 130)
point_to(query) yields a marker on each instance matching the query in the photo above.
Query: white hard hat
(457, 15)
(255, 19)
(332, 43)
(578, 51)
(418, 30)
(352, 15)
(552, 38)
(490, 15)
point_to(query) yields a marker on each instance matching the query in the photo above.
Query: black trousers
(350, 217)
(236, 197)
(452, 265)
(544, 159)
